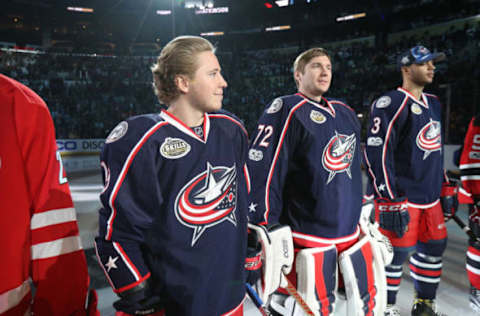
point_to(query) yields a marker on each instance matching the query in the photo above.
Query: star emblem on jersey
(111, 263)
(208, 199)
(338, 155)
(381, 187)
(429, 138)
(252, 207)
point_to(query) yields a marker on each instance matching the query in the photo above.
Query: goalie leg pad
(317, 280)
(277, 257)
(363, 273)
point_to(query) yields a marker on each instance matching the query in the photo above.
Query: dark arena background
(90, 61)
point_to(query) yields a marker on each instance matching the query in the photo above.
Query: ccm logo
(391, 208)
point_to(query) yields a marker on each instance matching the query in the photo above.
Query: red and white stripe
(247, 177)
(312, 241)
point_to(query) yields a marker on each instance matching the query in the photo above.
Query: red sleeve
(470, 159)
(58, 264)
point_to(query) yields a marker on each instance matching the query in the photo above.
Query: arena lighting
(282, 3)
(268, 5)
(164, 12)
(212, 34)
(212, 10)
(278, 28)
(351, 17)
(80, 9)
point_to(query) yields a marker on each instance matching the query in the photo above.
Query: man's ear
(296, 75)
(182, 83)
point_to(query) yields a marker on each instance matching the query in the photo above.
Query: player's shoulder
(391, 99)
(28, 97)
(227, 118)
(285, 102)
(135, 128)
(339, 104)
(432, 97)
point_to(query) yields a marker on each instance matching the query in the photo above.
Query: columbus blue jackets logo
(429, 138)
(208, 199)
(338, 155)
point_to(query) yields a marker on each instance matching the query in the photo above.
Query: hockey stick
(257, 300)
(465, 228)
(294, 293)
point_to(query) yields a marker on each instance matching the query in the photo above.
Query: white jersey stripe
(321, 240)
(275, 157)
(473, 256)
(470, 165)
(385, 145)
(13, 297)
(53, 217)
(56, 248)
(473, 270)
(125, 260)
(464, 178)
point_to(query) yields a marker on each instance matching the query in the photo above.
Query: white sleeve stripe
(275, 157)
(53, 217)
(385, 144)
(136, 274)
(470, 165)
(13, 297)
(123, 173)
(56, 248)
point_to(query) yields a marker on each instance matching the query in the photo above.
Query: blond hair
(178, 57)
(304, 58)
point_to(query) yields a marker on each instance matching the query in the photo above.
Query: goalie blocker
(361, 266)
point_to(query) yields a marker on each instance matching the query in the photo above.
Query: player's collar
(171, 119)
(323, 104)
(423, 102)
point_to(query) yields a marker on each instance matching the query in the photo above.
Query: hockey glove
(449, 200)
(393, 214)
(139, 301)
(253, 260)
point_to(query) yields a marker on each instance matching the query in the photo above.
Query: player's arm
(59, 269)
(470, 159)
(271, 146)
(131, 196)
(387, 118)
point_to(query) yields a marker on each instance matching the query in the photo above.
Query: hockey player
(173, 227)
(39, 235)
(404, 155)
(305, 166)
(470, 176)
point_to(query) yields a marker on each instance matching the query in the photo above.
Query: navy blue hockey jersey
(175, 210)
(404, 152)
(304, 163)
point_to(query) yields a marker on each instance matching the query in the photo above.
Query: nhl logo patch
(383, 102)
(416, 109)
(317, 117)
(118, 132)
(275, 106)
(174, 148)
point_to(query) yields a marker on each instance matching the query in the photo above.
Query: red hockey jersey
(470, 158)
(39, 239)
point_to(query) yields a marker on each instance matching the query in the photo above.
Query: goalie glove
(277, 257)
(449, 200)
(139, 301)
(393, 214)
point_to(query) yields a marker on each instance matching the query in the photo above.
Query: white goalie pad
(277, 257)
(363, 272)
(317, 280)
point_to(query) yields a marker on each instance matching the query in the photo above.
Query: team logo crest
(429, 138)
(207, 200)
(174, 148)
(275, 106)
(338, 155)
(383, 102)
(416, 109)
(317, 117)
(118, 132)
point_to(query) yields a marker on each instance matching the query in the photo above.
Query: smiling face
(205, 88)
(316, 77)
